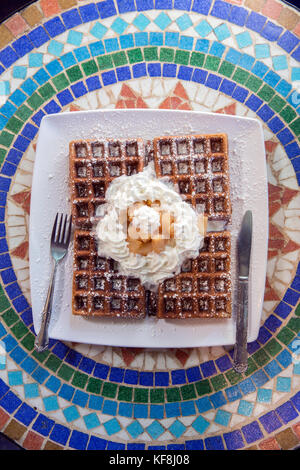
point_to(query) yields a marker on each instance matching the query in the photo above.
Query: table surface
(238, 57)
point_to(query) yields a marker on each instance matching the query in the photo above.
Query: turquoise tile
(162, 20)
(51, 403)
(119, 26)
(98, 30)
(296, 370)
(203, 28)
(91, 421)
(4, 88)
(295, 73)
(135, 429)
(71, 413)
(74, 37)
(35, 59)
(262, 51)
(19, 71)
(245, 408)
(155, 429)
(31, 390)
(222, 32)
(177, 428)
(283, 384)
(279, 62)
(243, 39)
(112, 426)
(141, 22)
(184, 22)
(264, 395)
(200, 424)
(222, 417)
(15, 378)
(55, 48)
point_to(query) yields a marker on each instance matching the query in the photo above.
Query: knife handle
(240, 357)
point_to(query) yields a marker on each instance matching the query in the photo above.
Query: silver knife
(240, 357)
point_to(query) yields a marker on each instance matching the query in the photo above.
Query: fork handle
(42, 339)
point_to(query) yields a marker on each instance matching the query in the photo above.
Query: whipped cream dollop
(111, 231)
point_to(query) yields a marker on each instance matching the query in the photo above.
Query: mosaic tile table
(239, 57)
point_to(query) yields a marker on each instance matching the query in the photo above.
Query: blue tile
(193, 374)
(291, 296)
(5, 260)
(89, 12)
(8, 170)
(186, 43)
(116, 374)
(131, 377)
(9, 343)
(93, 83)
(38, 36)
(272, 369)
(79, 89)
(296, 54)
(97, 48)
(43, 425)
(40, 375)
(78, 440)
(240, 94)
(182, 4)
(283, 88)
(52, 107)
(272, 78)
(296, 401)
(10, 402)
(3, 199)
(252, 432)
(202, 6)
(172, 410)
(195, 444)
(60, 349)
(270, 421)
(288, 41)
(263, 335)
(163, 4)
(187, 408)
(115, 446)
(233, 393)
(227, 87)
(3, 122)
(139, 70)
(73, 357)
(125, 6)
(41, 76)
(13, 290)
(22, 46)
(154, 70)
(54, 67)
(292, 150)
(143, 5)
(110, 407)
(66, 392)
(53, 384)
(246, 386)
(221, 9)
(123, 73)
(111, 45)
(29, 131)
(146, 379)
(253, 102)
(161, 379)
(214, 443)
(246, 61)
(125, 409)
(29, 86)
(106, 8)
(234, 440)
(213, 81)
(217, 49)
(259, 378)
(271, 31)
(82, 53)
(156, 411)
(285, 136)
(29, 365)
(296, 283)
(8, 56)
(71, 18)
(233, 56)
(126, 41)
(178, 376)
(25, 414)
(8, 109)
(87, 365)
(96, 443)
(141, 39)
(284, 358)
(18, 355)
(136, 446)
(54, 27)
(185, 73)
(286, 412)
(238, 15)
(275, 124)
(95, 402)
(140, 411)
(208, 368)
(255, 21)
(60, 434)
(65, 97)
(80, 398)
(265, 113)
(218, 399)
(282, 310)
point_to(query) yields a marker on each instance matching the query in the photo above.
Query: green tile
(261, 357)
(94, 385)
(3, 153)
(14, 125)
(74, 73)
(60, 82)
(79, 379)
(135, 55)
(240, 76)
(28, 341)
(277, 103)
(188, 392)
(35, 101)
(233, 377)
(47, 91)
(294, 324)
(212, 63)
(109, 390)
(19, 330)
(166, 54)
(65, 372)
(40, 356)
(105, 62)
(182, 57)
(272, 347)
(157, 395)
(295, 126)
(10, 317)
(266, 93)
(141, 395)
(203, 387)
(6, 138)
(150, 53)
(23, 112)
(252, 367)
(297, 311)
(197, 59)
(119, 59)
(288, 114)
(125, 393)
(218, 382)
(53, 362)
(90, 67)
(285, 335)
(173, 394)
(253, 83)
(226, 68)
(5, 303)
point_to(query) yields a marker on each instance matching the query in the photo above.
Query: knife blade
(240, 357)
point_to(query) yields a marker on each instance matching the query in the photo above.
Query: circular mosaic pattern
(238, 57)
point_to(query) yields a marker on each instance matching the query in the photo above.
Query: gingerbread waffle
(203, 288)
(198, 166)
(93, 165)
(98, 289)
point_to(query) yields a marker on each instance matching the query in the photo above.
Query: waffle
(198, 166)
(93, 165)
(203, 288)
(98, 289)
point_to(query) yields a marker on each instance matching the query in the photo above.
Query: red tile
(269, 444)
(4, 417)
(33, 441)
(16, 24)
(272, 9)
(50, 7)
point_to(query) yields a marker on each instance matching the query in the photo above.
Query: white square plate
(50, 194)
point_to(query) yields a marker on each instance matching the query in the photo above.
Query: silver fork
(60, 239)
